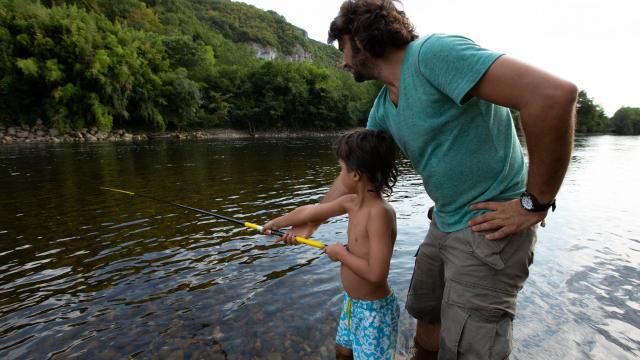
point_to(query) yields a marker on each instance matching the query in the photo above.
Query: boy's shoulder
(383, 209)
(382, 222)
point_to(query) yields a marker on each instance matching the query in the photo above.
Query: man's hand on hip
(506, 218)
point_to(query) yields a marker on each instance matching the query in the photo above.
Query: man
(445, 101)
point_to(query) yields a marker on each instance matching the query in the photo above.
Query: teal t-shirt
(465, 149)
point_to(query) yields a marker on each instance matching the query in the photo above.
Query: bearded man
(445, 101)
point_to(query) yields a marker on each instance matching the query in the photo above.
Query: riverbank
(41, 134)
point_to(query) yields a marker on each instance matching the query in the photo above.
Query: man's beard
(363, 68)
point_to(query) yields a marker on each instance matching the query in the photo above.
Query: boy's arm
(382, 233)
(305, 230)
(310, 213)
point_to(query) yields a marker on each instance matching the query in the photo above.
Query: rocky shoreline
(41, 134)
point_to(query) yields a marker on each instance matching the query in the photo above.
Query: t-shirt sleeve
(454, 64)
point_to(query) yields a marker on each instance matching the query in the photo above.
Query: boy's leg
(375, 328)
(343, 353)
(344, 338)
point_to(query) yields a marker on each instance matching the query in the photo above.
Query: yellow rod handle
(314, 243)
(300, 239)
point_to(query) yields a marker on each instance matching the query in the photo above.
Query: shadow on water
(94, 274)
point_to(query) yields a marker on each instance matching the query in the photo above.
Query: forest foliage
(174, 64)
(185, 64)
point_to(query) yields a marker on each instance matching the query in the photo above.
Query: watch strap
(530, 203)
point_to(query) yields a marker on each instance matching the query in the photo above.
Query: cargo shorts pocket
(453, 320)
(413, 274)
(487, 251)
(472, 335)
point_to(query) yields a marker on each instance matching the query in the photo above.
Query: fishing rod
(314, 243)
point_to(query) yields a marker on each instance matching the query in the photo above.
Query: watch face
(527, 203)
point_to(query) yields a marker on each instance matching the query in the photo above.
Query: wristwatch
(530, 203)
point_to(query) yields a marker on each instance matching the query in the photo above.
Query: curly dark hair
(376, 25)
(373, 154)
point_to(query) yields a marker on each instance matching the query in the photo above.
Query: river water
(86, 273)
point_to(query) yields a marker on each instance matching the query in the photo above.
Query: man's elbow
(556, 100)
(566, 101)
(567, 93)
(561, 95)
(551, 94)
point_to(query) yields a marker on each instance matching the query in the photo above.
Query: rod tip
(117, 190)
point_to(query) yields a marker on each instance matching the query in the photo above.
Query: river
(86, 273)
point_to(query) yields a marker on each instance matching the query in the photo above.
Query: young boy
(368, 323)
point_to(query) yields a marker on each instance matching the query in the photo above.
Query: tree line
(184, 64)
(591, 118)
(156, 65)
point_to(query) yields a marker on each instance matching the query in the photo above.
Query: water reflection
(97, 275)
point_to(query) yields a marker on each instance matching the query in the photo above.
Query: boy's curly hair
(373, 154)
(376, 25)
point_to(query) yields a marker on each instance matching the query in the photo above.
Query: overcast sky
(593, 43)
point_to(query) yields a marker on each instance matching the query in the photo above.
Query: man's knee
(428, 335)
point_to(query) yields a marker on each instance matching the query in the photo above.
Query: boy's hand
(288, 238)
(304, 231)
(271, 225)
(335, 251)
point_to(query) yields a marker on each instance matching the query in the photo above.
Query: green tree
(77, 68)
(195, 57)
(626, 121)
(590, 116)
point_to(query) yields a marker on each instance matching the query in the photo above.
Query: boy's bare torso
(358, 242)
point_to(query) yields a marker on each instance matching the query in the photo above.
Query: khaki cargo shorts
(469, 285)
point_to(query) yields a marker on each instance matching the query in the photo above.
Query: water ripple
(97, 275)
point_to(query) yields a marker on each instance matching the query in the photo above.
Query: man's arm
(382, 234)
(335, 191)
(547, 113)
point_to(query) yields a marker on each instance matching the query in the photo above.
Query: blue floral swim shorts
(369, 328)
